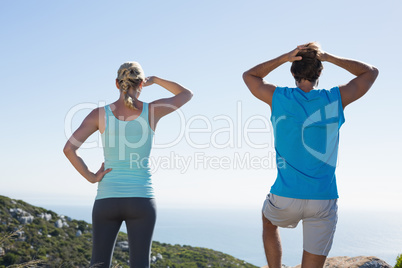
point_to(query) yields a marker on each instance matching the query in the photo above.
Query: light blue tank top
(127, 146)
(306, 130)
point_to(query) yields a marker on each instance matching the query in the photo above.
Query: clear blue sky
(60, 55)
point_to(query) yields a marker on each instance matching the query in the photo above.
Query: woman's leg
(140, 221)
(106, 223)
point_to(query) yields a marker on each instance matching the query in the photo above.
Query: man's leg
(318, 232)
(312, 261)
(272, 243)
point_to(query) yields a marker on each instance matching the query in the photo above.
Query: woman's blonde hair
(130, 75)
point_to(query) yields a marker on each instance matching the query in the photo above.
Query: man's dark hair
(309, 67)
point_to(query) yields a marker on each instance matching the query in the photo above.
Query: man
(306, 122)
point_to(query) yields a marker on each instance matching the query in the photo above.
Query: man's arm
(357, 87)
(254, 77)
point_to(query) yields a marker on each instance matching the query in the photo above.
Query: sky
(59, 61)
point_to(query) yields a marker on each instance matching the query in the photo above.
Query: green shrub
(9, 259)
(398, 261)
(82, 225)
(55, 232)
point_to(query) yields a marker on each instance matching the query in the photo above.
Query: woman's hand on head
(98, 176)
(149, 81)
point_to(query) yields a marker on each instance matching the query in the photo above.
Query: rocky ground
(350, 262)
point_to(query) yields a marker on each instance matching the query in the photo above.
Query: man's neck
(306, 85)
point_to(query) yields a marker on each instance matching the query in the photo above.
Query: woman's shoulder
(98, 112)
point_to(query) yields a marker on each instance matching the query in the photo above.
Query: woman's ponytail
(130, 75)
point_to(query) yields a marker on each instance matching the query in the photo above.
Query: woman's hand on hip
(98, 176)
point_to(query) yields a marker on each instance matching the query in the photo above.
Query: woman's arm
(254, 77)
(162, 107)
(357, 87)
(88, 126)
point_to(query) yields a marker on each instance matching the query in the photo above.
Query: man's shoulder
(284, 90)
(332, 93)
(331, 90)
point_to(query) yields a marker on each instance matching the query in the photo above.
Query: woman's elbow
(67, 150)
(189, 95)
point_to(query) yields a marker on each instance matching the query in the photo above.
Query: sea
(238, 232)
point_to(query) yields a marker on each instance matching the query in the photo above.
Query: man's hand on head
(292, 54)
(322, 55)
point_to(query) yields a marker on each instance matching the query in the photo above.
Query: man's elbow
(245, 76)
(375, 72)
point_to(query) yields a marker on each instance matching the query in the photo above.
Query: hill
(35, 234)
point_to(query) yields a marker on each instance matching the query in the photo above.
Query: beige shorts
(319, 219)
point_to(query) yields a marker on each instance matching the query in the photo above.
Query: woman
(125, 190)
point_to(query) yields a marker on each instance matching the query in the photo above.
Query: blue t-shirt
(306, 130)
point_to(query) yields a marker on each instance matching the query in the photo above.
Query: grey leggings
(107, 217)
